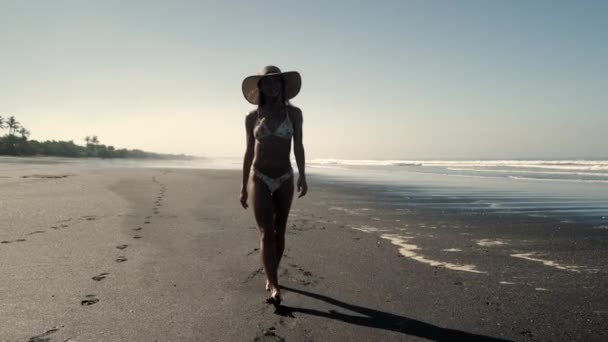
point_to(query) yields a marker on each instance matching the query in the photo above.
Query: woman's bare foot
(267, 285)
(275, 296)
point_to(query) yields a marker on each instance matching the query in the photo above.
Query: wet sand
(128, 254)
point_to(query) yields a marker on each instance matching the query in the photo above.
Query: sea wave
(523, 178)
(591, 174)
(573, 165)
(560, 179)
(363, 162)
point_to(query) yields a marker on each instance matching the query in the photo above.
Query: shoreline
(503, 200)
(60, 159)
(354, 269)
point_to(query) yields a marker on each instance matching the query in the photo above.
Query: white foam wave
(331, 167)
(409, 250)
(581, 165)
(560, 179)
(357, 211)
(363, 162)
(519, 177)
(370, 229)
(491, 243)
(588, 171)
(597, 174)
(550, 263)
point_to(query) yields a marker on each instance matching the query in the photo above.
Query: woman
(267, 167)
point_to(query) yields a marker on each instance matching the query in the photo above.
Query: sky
(380, 79)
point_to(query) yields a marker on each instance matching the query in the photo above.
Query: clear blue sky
(381, 79)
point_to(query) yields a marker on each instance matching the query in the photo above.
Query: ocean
(566, 190)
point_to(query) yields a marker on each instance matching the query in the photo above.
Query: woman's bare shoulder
(251, 115)
(295, 112)
(250, 119)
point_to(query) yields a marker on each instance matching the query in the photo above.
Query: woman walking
(267, 171)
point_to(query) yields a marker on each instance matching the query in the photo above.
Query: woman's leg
(263, 210)
(281, 200)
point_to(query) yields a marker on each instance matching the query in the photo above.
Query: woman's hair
(263, 99)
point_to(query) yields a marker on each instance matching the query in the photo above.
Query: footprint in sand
(44, 337)
(5, 241)
(122, 246)
(253, 251)
(268, 335)
(100, 277)
(36, 232)
(303, 277)
(526, 333)
(89, 301)
(45, 176)
(147, 222)
(137, 237)
(254, 274)
(137, 229)
(121, 259)
(20, 240)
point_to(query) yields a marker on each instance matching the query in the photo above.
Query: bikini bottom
(273, 183)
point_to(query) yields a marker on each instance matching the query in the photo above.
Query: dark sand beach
(135, 254)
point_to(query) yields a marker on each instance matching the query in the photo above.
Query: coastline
(355, 268)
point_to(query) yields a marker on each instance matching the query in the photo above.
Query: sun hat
(291, 80)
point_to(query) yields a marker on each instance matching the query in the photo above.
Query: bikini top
(285, 129)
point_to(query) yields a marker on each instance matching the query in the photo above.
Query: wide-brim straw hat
(291, 80)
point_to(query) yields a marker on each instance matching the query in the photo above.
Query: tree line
(16, 143)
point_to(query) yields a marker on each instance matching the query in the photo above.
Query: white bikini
(284, 131)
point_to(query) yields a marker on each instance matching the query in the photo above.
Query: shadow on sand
(381, 320)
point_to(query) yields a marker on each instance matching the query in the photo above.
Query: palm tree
(89, 147)
(1, 122)
(92, 146)
(24, 132)
(13, 124)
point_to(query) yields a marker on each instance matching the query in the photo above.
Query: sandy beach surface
(142, 254)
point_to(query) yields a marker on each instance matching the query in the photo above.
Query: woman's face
(271, 86)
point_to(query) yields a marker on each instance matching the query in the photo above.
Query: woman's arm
(248, 158)
(298, 151)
